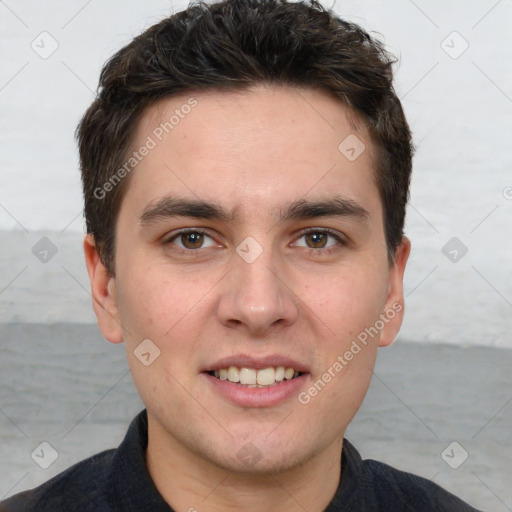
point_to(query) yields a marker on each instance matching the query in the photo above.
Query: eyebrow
(302, 209)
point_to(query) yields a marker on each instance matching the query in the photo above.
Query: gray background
(60, 382)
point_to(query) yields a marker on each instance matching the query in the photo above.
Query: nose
(256, 296)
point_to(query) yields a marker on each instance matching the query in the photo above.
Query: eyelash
(190, 252)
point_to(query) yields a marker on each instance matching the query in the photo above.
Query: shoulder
(412, 492)
(370, 485)
(82, 487)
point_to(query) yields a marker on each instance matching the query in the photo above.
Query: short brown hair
(232, 45)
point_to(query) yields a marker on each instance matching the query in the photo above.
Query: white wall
(460, 110)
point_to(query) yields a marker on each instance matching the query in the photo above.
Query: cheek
(142, 305)
(166, 311)
(163, 306)
(347, 301)
(356, 377)
(145, 299)
(355, 306)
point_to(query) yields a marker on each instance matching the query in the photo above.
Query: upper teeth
(264, 377)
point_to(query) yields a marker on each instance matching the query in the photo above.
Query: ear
(393, 313)
(104, 294)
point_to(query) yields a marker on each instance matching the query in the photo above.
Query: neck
(191, 483)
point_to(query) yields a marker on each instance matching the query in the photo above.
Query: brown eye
(316, 240)
(321, 241)
(192, 240)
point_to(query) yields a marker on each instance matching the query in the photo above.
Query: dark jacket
(118, 480)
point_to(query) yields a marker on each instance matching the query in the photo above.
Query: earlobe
(394, 307)
(104, 293)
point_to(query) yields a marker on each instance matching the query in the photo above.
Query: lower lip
(257, 397)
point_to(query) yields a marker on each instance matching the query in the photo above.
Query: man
(245, 167)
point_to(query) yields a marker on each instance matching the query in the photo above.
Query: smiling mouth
(252, 378)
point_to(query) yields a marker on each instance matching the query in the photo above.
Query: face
(248, 239)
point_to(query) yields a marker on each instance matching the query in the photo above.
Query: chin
(262, 457)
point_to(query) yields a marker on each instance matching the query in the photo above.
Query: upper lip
(258, 363)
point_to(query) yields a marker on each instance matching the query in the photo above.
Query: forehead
(252, 149)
